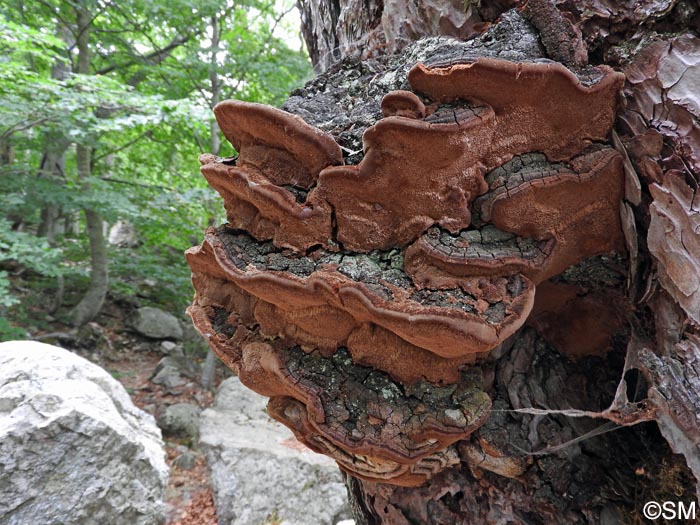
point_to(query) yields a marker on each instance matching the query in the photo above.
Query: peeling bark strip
(674, 241)
(370, 28)
(478, 156)
(675, 391)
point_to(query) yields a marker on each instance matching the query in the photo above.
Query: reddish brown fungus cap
(541, 104)
(278, 144)
(540, 217)
(420, 173)
(373, 426)
(402, 104)
(268, 211)
(449, 324)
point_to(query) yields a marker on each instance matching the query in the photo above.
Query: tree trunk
(91, 303)
(52, 219)
(211, 361)
(588, 473)
(53, 161)
(7, 153)
(337, 29)
(7, 158)
(52, 166)
(214, 81)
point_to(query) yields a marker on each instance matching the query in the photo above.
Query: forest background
(104, 108)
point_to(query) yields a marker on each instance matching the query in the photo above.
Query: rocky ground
(189, 498)
(133, 360)
(161, 373)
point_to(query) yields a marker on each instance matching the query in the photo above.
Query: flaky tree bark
(587, 473)
(334, 30)
(469, 275)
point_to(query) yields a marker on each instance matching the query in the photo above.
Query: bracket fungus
(362, 298)
(419, 172)
(332, 300)
(265, 188)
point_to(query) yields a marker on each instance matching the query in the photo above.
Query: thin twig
(123, 147)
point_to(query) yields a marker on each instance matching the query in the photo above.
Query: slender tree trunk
(215, 84)
(53, 161)
(51, 224)
(211, 361)
(549, 467)
(7, 153)
(91, 303)
(52, 167)
(7, 158)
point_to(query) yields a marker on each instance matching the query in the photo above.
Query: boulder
(172, 369)
(186, 460)
(168, 347)
(181, 420)
(123, 234)
(74, 449)
(167, 373)
(259, 472)
(155, 323)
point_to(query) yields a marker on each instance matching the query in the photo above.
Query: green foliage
(157, 277)
(6, 298)
(144, 112)
(31, 252)
(9, 332)
(25, 250)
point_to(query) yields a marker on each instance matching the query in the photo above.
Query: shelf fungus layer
(265, 188)
(417, 172)
(325, 300)
(423, 165)
(267, 210)
(538, 218)
(375, 427)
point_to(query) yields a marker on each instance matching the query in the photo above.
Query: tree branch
(122, 147)
(131, 183)
(22, 126)
(159, 55)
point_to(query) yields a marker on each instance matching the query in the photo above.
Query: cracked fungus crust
(366, 408)
(379, 248)
(326, 299)
(374, 426)
(537, 218)
(377, 421)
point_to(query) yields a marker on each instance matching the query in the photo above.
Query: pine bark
(552, 467)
